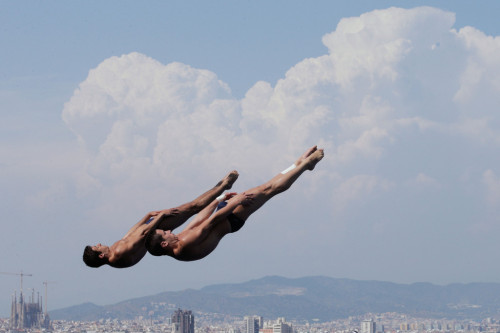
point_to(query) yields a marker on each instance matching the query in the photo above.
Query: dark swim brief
(221, 205)
(235, 222)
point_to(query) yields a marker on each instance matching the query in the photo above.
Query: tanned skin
(129, 250)
(202, 235)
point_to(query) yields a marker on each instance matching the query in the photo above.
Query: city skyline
(385, 322)
(114, 109)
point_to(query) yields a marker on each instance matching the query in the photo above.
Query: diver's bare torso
(125, 253)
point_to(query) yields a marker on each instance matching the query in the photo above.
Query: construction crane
(45, 283)
(20, 274)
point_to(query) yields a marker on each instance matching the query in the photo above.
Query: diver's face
(166, 235)
(103, 249)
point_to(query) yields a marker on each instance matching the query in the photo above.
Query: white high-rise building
(368, 326)
(252, 324)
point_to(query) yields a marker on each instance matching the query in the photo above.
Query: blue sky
(112, 109)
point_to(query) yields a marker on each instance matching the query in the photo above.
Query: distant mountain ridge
(307, 298)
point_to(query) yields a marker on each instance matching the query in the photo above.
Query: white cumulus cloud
(400, 95)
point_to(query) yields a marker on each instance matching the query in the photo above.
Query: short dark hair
(153, 243)
(91, 257)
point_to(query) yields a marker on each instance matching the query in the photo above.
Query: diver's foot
(306, 155)
(314, 158)
(229, 180)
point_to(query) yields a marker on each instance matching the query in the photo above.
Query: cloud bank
(405, 106)
(392, 80)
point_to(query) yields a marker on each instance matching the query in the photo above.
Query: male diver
(129, 250)
(202, 235)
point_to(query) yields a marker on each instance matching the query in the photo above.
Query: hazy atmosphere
(113, 109)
